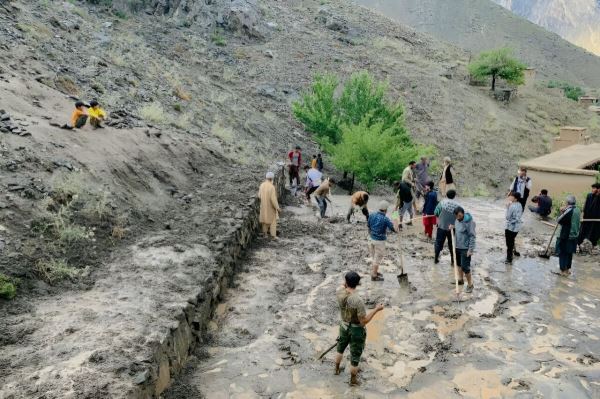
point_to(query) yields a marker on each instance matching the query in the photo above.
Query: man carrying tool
(322, 195)
(422, 172)
(269, 206)
(522, 185)
(295, 160)
(591, 210)
(378, 224)
(352, 327)
(408, 177)
(464, 229)
(566, 242)
(359, 199)
(445, 214)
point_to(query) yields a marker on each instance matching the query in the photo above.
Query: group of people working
(454, 226)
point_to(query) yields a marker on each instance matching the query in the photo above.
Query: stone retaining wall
(171, 355)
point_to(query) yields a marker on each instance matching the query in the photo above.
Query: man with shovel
(566, 242)
(378, 224)
(464, 237)
(445, 214)
(352, 327)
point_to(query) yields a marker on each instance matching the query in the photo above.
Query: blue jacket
(378, 225)
(465, 233)
(514, 212)
(430, 204)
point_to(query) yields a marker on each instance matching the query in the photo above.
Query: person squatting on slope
(322, 195)
(591, 210)
(543, 204)
(79, 117)
(354, 318)
(431, 202)
(566, 241)
(514, 213)
(521, 184)
(464, 228)
(445, 214)
(96, 114)
(378, 224)
(359, 199)
(269, 206)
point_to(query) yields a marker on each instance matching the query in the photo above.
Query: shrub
(373, 153)
(8, 288)
(54, 270)
(498, 64)
(218, 39)
(153, 113)
(570, 91)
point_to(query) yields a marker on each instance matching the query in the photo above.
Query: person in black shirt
(543, 204)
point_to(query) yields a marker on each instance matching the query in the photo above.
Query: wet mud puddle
(523, 332)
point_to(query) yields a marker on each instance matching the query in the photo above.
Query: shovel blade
(403, 279)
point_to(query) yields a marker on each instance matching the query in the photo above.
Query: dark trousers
(523, 202)
(310, 191)
(294, 174)
(510, 243)
(440, 237)
(322, 205)
(565, 250)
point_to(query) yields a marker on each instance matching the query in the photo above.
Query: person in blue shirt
(431, 202)
(378, 224)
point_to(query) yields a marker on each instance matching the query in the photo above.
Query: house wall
(559, 183)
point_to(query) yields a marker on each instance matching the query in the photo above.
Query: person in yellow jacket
(96, 115)
(269, 206)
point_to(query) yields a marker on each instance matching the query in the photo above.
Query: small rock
(142, 377)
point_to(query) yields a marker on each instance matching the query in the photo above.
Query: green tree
(318, 109)
(374, 153)
(498, 64)
(363, 97)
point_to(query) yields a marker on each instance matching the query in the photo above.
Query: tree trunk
(493, 82)
(351, 185)
(345, 175)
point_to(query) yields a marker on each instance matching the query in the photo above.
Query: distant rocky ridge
(575, 20)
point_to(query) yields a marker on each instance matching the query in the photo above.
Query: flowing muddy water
(523, 333)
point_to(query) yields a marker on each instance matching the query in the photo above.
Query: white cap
(383, 206)
(270, 175)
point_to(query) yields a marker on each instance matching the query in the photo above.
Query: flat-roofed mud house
(569, 170)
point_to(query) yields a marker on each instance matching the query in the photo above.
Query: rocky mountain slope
(575, 20)
(199, 95)
(478, 25)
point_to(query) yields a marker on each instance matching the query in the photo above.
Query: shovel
(546, 253)
(402, 277)
(326, 351)
(455, 266)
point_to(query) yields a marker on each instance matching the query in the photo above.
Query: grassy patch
(53, 271)
(153, 113)
(218, 39)
(8, 287)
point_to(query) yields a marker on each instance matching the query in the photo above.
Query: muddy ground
(524, 332)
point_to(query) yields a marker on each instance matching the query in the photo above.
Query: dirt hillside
(478, 25)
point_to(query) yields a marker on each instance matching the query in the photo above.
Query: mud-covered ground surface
(524, 332)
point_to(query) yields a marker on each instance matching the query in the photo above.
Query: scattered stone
(142, 377)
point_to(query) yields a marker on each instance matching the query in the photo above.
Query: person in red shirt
(295, 159)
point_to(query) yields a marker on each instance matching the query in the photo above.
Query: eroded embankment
(133, 331)
(524, 332)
